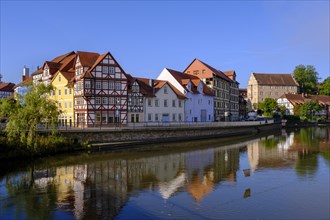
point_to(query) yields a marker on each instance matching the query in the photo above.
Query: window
(59, 105)
(59, 92)
(180, 103)
(261, 93)
(104, 100)
(137, 118)
(111, 101)
(117, 101)
(156, 103)
(180, 117)
(70, 104)
(105, 69)
(165, 103)
(98, 100)
(165, 90)
(104, 85)
(70, 91)
(149, 102)
(196, 72)
(98, 85)
(111, 69)
(111, 85)
(132, 118)
(174, 117)
(173, 103)
(156, 117)
(149, 117)
(65, 105)
(65, 91)
(98, 117)
(59, 78)
(118, 86)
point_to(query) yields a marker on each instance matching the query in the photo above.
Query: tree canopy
(306, 77)
(308, 109)
(25, 114)
(325, 87)
(268, 106)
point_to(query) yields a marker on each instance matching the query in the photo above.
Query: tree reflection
(34, 202)
(310, 142)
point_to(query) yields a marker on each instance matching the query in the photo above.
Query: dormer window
(78, 71)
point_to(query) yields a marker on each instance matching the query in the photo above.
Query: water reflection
(100, 185)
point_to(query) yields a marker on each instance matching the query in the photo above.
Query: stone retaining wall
(148, 135)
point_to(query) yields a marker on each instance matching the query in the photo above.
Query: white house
(164, 104)
(199, 105)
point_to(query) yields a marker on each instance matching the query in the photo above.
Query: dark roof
(7, 87)
(275, 79)
(145, 87)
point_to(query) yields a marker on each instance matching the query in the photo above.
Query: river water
(279, 176)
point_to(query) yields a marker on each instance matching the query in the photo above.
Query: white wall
(160, 110)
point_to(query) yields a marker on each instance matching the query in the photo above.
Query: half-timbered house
(100, 90)
(138, 91)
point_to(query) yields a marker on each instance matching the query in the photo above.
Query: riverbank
(110, 139)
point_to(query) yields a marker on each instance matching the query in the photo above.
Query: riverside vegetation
(22, 116)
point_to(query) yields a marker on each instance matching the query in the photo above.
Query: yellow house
(63, 95)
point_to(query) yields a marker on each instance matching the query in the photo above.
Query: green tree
(325, 87)
(306, 77)
(268, 106)
(308, 109)
(27, 113)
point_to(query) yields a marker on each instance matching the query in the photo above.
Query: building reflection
(289, 150)
(100, 187)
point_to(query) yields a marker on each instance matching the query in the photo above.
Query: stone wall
(150, 135)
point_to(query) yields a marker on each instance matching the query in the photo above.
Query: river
(280, 176)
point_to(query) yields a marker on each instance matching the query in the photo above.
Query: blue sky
(145, 36)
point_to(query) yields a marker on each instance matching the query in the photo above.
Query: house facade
(136, 99)
(64, 96)
(264, 85)
(226, 102)
(199, 105)
(100, 90)
(164, 104)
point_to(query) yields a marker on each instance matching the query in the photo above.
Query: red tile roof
(145, 87)
(87, 59)
(62, 57)
(215, 71)
(295, 99)
(275, 79)
(183, 79)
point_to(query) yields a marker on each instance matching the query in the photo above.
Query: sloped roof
(215, 71)
(7, 87)
(25, 82)
(99, 59)
(38, 71)
(87, 59)
(183, 79)
(62, 57)
(145, 88)
(160, 83)
(295, 99)
(275, 79)
(68, 63)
